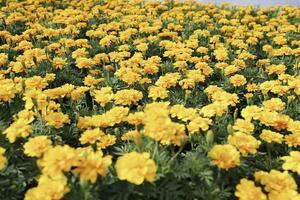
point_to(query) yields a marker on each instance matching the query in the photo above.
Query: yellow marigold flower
(130, 135)
(78, 92)
(3, 160)
(225, 156)
(292, 140)
(83, 62)
(159, 126)
(136, 167)
(103, 96)
(238, 80)
(251, 112)
(292, 162)
(79, 53)
(90, 80)
(244, 143)
(274, 104)
(280, 40)
(57, 119)
(183, 113)
(252, 87)
(135, 118)
(277, 120)
(36, 82)
(59, 62)
(36, 146)
(127, 97)
(271, 136)
(91, 164)
(19, 128)
(286, 195)
(243, 126)
(91, 136)
(294, 126)
(276, 181)
(106, 141)
(246, 190)
(198, 123)
(143, 47)
(221, 54)
(17, 67)
(3, 58)
(57, 160)
(168, 80)
(7, 89)
(156, 92)
(48, 188)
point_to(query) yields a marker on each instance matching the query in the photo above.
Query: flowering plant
(119, 99)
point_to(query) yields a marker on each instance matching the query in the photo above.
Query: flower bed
(115, 99)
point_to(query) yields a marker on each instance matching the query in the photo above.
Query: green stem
(155, 149)
(269, 147)
(176, 154)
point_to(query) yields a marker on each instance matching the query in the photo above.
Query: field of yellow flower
(148, 100)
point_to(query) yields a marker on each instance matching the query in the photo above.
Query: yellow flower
(168, 80)
(221, 54)
(90, 80)
(57, 160)
(103, 96)
(156, 92)
(225, 156)
(57, 119)
(127, 97)
(292, 162)
(36, 146)
(197, 123)
(106, 141)
(238, 80)
(91, 136)
(292, 140)
(244, 143)
(3, 58)
(7, 89)
(48, 188)
(83, 62)
(286, 195)
(243, 126)
(251, 112)
(91, 164)
(271, 136)
(58, 62)
(246, 190)
(3, 160)
(274, 104)
(135, 118)
(136, 167)
(19, 128)
(78, 92)
(276, 181)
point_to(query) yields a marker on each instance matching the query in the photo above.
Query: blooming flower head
(244, 143)
(246, 190)
(136, 168)
(292, 162)
(238, 80)
(91, 164)
(36, 146)
(276, 181)
(57, 119)
(57, 160)
(225, 156)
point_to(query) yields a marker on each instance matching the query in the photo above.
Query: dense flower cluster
(138, 99)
